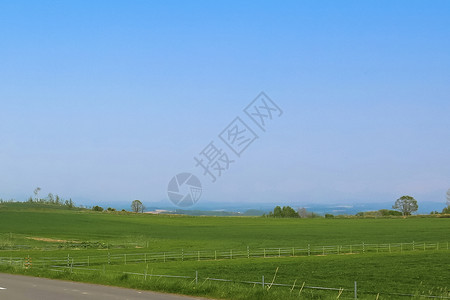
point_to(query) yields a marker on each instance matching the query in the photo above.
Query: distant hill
(216, 213)
(257, 209)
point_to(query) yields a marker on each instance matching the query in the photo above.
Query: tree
(277, 213)
(406, 204)
(97, 208)
(448, 198)
(285, 212)
(51, 199)
(303, 213)
(36, 193)
(288, 212)
(137, 206)
(69, 203)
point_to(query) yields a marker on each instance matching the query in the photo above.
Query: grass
(66, 231)
(369, 270)
(169, 232)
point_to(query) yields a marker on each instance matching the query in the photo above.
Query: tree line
(403, 206)
(136, 207)
(289, 212)
(50, 199)
(53, 199)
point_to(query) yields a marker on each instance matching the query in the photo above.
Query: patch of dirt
(50, 240)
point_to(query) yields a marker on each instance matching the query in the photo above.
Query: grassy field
(47, 233)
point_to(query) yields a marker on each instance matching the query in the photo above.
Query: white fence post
(356, 291)
(262, 281)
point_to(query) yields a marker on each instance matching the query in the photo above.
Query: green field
(99, 247)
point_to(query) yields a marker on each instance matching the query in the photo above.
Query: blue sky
(105, 101)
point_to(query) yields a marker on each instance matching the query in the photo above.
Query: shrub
(97, 208)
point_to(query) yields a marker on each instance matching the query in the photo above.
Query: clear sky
(105, 101)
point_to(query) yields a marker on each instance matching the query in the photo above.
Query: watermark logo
(184, 189)
(238, 136)
(213, 161)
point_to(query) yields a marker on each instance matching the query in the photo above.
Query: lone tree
(137, 206)
(446, 210)
(406, 205)
(36, 193)
(448, 197)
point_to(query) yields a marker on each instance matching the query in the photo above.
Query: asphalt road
(15, 287)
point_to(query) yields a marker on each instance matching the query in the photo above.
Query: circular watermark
(184, 189)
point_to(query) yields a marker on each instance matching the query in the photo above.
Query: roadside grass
(384, 274)
(179, 286)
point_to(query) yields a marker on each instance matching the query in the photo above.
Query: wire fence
(200, 255)
(190, 255)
